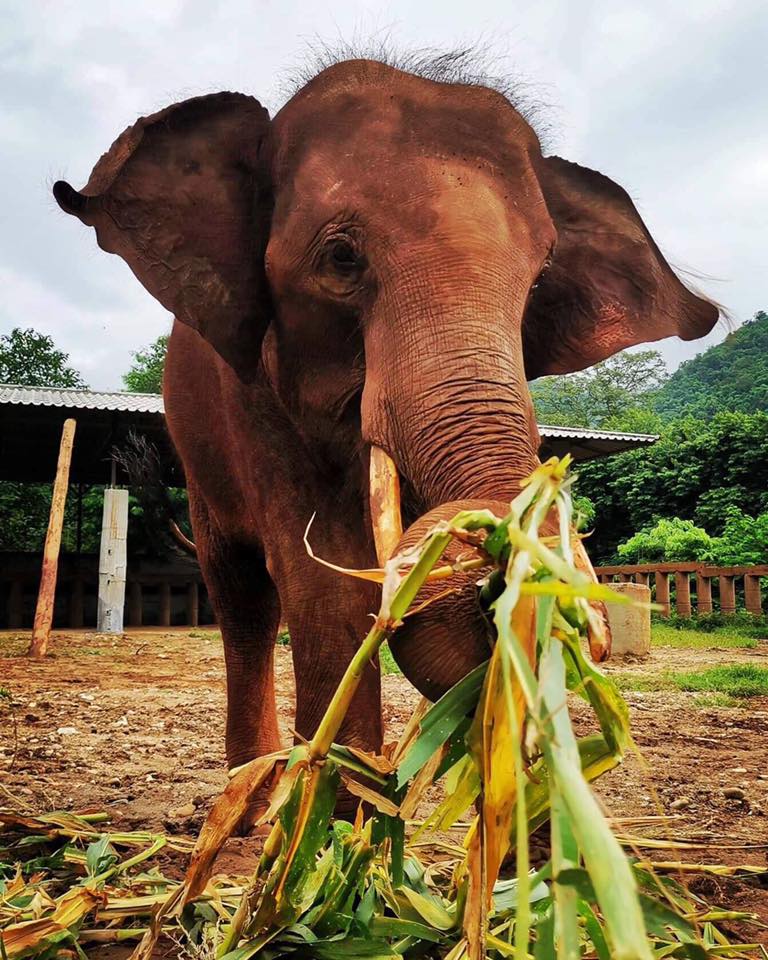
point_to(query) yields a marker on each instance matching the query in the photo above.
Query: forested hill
(730, 376)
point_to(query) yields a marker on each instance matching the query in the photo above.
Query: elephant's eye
(343, 255)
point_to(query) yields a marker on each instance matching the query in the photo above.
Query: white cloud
(666, 97)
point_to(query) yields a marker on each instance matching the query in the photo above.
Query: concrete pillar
(630, 625)
(165, 604)
(112, 561)
(682, 594)
(643, 579)
(662, 592)
(703, 594)
(752, 599)
(727, 595)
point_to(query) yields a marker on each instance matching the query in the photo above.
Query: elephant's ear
(183, 197)
(608, 286)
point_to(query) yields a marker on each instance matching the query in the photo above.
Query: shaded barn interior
(158, 592)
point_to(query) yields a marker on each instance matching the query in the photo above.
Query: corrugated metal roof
(579, 433)
(75, 398)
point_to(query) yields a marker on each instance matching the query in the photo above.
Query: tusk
(598, 631)
(385, 504)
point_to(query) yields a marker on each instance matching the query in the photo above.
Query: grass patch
(740, 681)
(642, 682)
(717, 686)
(665, 635)
(387, 661)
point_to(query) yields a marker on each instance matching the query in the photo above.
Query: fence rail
(701, 577)
(157, 593)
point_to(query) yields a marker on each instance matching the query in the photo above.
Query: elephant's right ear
(184, 197)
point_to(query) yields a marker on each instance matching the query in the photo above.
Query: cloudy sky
(669, 98)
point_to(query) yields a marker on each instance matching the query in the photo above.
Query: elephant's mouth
(415, 646)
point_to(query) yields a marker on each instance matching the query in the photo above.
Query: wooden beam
(112, 561)
(46, 596)
(135, 603)
(727, 595)
(193, 604)
(662, 591)
(752, 599)
(703, 594)
(165, 604)
(683, 594)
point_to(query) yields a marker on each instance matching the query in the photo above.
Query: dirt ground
(135, 725)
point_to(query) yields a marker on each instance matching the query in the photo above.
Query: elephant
(381, 266)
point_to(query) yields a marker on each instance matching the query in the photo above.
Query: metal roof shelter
(31, 419)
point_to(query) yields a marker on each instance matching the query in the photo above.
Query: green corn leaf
(440, 721)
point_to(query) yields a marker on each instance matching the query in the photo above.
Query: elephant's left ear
(608, 286)
(184, 197)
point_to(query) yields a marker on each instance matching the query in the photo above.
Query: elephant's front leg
(247, 609)
(328, 616)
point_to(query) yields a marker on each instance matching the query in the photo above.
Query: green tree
(696, 470)
(146, 373)
(667, 539)
(604, 394)
(31, 359)
(744, 540)
(733, 375)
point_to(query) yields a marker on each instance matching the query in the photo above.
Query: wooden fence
(157, 593)
(699, 576)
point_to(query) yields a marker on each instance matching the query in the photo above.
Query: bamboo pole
(47, 594)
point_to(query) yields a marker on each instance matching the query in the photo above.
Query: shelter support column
(112, 561)
(46, 596)
(703, 594)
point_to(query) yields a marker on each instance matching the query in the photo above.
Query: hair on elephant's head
(396, 253)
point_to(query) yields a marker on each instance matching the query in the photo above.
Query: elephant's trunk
(448, 635)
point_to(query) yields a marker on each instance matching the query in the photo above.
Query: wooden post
(76, 604)
(192, 604)
(112, 561)
(662, 592)
(682, 594)
(752, 599)
(165, 604)
(46, 596)
(135, 603)
(16, 605)
(703, 594)
(727, 595)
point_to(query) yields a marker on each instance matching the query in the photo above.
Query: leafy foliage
(604, 395)
(673, 539)
(730, 376)
(695, 470)
(31, 359)
(146, 372)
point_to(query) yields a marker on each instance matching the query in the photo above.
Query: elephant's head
(400, 259)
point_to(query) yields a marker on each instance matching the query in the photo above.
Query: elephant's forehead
(368, 115)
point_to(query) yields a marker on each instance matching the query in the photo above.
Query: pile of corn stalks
(502, 744)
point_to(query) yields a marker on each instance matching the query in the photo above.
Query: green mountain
(730, 376)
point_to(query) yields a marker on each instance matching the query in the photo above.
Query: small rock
(738, 770)
(67, 731)
(680, 804)
(180, 813)
(115, 782)
(31, 718)
(734, 793)
(122, 722)
(88, 697)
